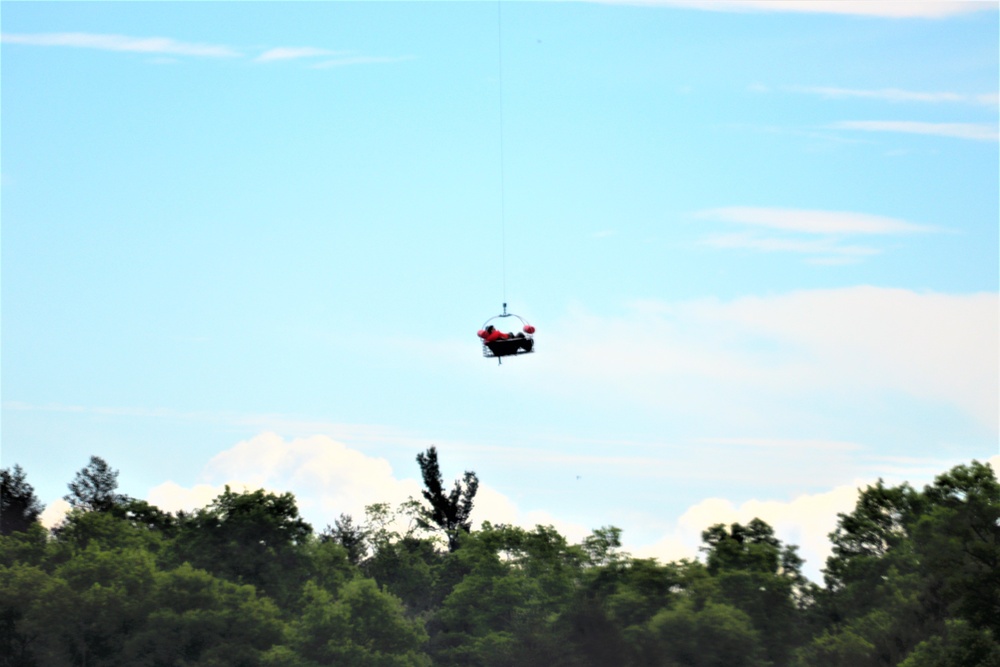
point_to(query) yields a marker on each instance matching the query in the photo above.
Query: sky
(252, 243)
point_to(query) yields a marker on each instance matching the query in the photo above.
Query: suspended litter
(499, 344)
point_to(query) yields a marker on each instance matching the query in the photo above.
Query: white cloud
(290, 53)
(992, 99)
(762, 355)
(328, 478)
(973, 131)
(929, 9)
(805, 521)
(784, 443)
(830, 226)
(828, 249)
(54, 513)
(813, 221)
(168, 46)
(172, 497)
(897, 95)
(163, 45)
(934, 346)
(495, 507)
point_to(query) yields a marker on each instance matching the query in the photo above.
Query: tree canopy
(912, 581)
(19, 507)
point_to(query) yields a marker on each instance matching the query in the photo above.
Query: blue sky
(252, 243)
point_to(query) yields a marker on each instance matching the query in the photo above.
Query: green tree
(717, 635)
(95, 487)
(19, 508)
(352, 537)
(906, 565)
(960, 645)
(603, 546)
(957, 544)
(502, 611)
(142, 514)
(82, 529)
(86, 611)
(198, 619)
(643, 588)
(450, 513)
(20, 587)
(328, 564)
(843, 647)
(248, 538)
(752, 548)
(409, 568)
(878, 526)
(616, 597)
(27, 547)
(755, 573)
(360, 627)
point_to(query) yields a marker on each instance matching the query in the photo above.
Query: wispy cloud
(360, 60)
(831, 251)
(165, 46)
(927, 9)
(992, 99)
(818, 234)
(159, 45)
(285, 423)
(973, 131)
(813, 221)
(783, 443)
(899, 95)
(292, 53)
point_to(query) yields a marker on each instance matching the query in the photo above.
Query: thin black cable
(503, 221)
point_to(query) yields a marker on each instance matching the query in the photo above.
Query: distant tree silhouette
(345, 533)
(19, 508)
(450, 513)
(95, 488)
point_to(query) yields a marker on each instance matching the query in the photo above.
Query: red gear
(495, 335)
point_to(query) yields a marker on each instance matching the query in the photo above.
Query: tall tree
(95, 488)
(758, 575)
(450, 513)
(19, 508)
(957, 544)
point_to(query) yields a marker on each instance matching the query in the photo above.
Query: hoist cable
(503, 221)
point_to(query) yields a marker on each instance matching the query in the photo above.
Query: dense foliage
(914, 581)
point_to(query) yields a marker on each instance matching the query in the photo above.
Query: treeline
(913, 580)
